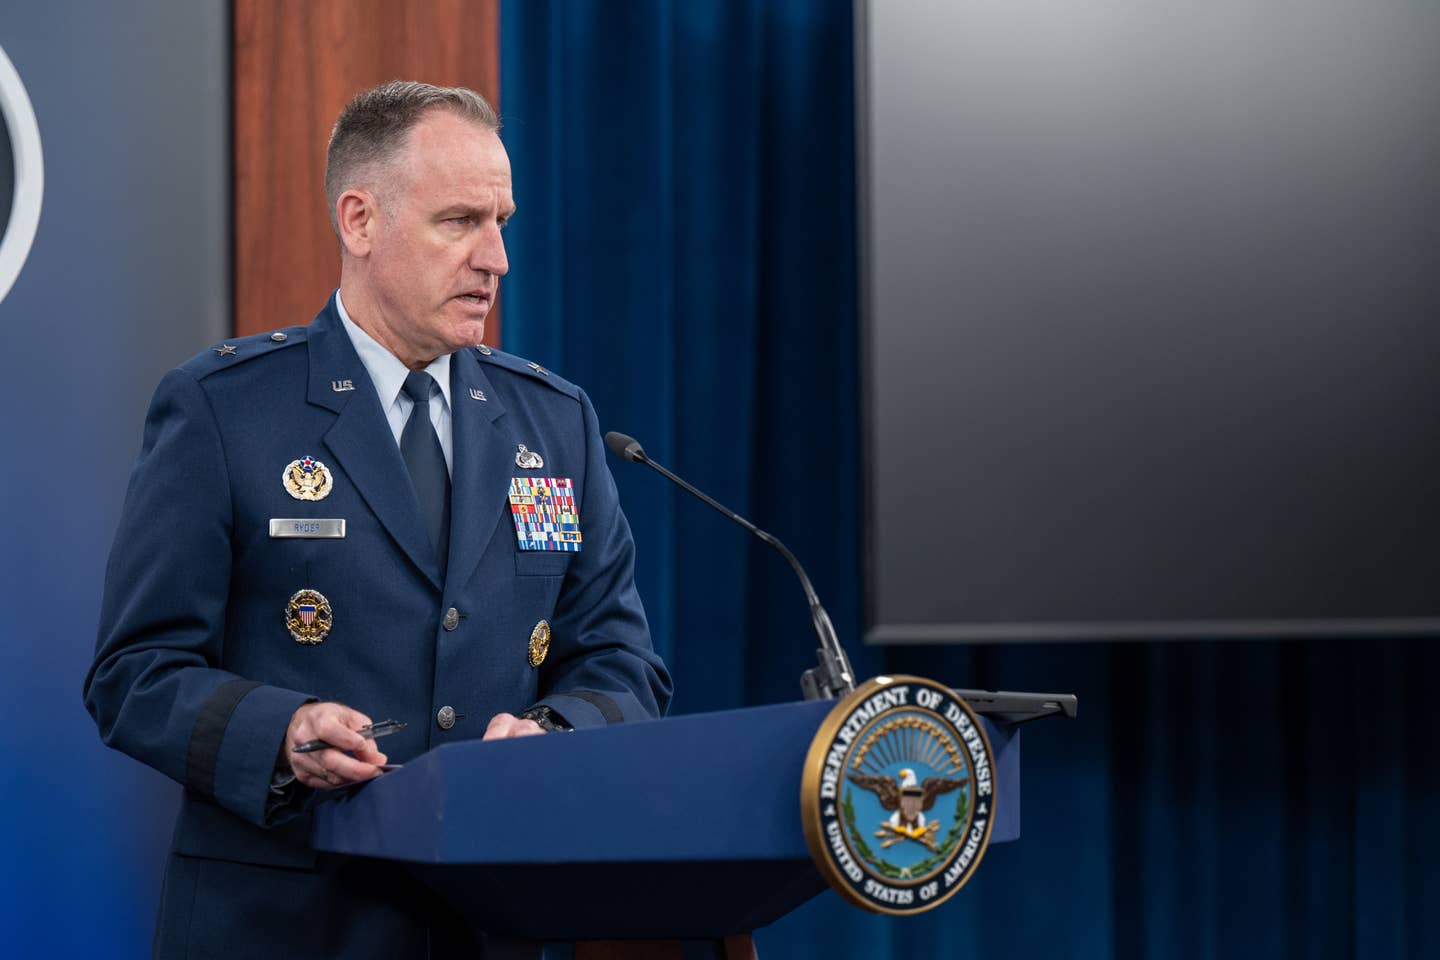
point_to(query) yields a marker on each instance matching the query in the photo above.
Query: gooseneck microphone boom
(832, 676)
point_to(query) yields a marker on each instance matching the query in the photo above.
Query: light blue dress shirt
(388, 374)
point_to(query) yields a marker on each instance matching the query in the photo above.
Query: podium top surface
(699, 788)
(701, 812)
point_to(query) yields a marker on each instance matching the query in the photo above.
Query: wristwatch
(548, 720)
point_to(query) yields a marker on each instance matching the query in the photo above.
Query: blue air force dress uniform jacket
(197, 674)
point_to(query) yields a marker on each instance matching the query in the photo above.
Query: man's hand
(504, 725)
(336, 724)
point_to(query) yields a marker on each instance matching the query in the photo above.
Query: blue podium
(684, 828)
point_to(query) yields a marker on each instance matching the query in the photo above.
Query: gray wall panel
(129, 275)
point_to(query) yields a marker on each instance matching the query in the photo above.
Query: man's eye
(460, 220)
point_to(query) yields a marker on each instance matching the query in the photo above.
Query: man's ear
(355, 215)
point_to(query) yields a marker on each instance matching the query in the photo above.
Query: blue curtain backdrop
(685, 248)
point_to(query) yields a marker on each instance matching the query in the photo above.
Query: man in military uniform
(372, 517)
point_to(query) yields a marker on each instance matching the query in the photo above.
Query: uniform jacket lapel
(484, 455)
(361, 439)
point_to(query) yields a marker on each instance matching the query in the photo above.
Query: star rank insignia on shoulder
(528, 369)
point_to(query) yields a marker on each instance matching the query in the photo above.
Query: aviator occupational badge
(539, 643)
(308, 616)
(307, 479)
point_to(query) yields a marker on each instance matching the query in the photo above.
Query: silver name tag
(305, 529)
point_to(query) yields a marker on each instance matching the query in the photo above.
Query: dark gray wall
(129, 275)
(1151, 340)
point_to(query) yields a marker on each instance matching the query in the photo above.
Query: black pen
(383, 728)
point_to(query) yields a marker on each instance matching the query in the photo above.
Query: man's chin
(465, 332)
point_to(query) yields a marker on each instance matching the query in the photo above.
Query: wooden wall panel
(296, 64)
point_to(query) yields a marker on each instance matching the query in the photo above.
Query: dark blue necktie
(426, 462)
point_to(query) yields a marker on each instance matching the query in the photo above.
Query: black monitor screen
(1152, 336)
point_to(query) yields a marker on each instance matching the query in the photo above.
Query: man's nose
(488, 254)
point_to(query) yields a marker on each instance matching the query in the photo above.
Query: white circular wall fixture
(29, 184)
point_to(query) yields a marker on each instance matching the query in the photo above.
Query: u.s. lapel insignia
(307, 479)
(308, 616)
(477, 394)
(539, 643)
(527, 459)
(342, 386)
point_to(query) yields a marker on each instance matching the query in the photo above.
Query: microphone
(832, 677)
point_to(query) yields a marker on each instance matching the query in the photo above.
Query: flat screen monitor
(1151, 318)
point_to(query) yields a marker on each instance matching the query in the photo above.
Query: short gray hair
(373, 127)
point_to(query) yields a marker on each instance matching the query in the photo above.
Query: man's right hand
(336, 724)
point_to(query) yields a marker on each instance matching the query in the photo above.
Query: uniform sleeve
(602, 667)
(155, 688)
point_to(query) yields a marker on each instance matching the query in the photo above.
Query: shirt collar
(385, 369)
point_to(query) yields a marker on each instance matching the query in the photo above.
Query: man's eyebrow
(463, 209)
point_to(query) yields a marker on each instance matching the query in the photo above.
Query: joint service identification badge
(308, 616)
(898, 795)
(539, 643)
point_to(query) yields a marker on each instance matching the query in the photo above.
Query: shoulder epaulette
(526, 368)
(229, 353)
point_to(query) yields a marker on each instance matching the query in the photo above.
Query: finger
(334, 723)
(334, 729)
(348, 769)
(526, 728)
(353, 718)
(310, 769)
(370, 754)
(497, 723)
(504, 727)
(331, 768)
(324, 780)
(316, 778)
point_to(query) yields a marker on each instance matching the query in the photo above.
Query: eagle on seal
(908, 797)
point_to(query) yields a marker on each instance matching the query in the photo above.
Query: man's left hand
(505, 725)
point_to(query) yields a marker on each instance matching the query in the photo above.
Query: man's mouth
(474, 297)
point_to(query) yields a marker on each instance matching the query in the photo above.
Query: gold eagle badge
(307, 479)
(539, 643)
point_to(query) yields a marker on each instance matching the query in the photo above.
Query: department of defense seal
(898, 795)
(307, 479)
(308, 616)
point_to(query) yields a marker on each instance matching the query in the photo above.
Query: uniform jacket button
(452, 619)
(445, 717)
